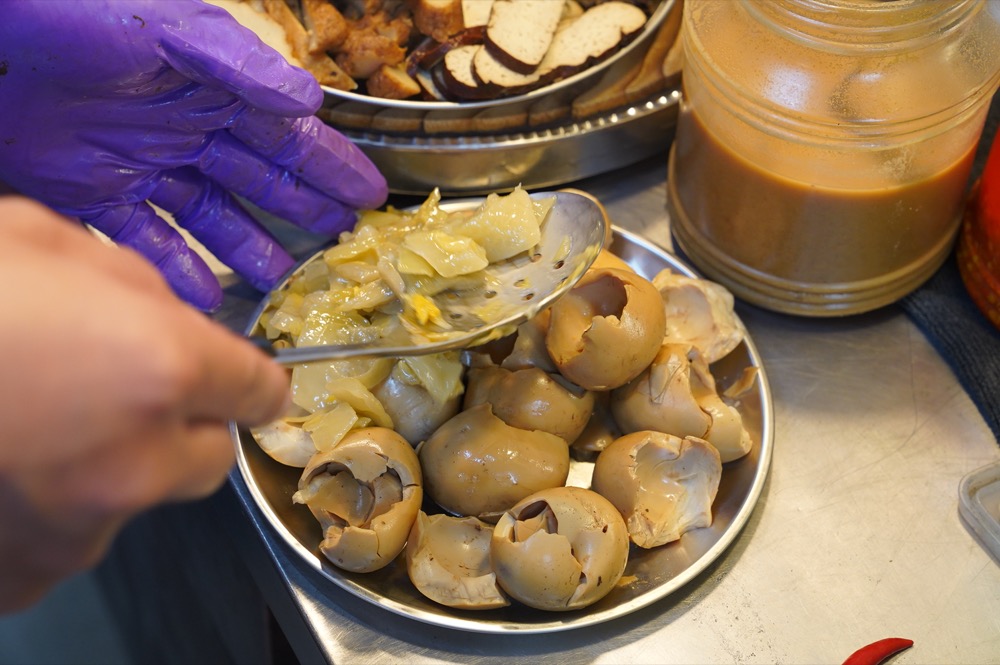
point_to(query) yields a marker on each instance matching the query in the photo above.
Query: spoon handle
(329, 352)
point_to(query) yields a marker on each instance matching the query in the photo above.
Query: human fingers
(190, 461)
(198, 369)
(139, 227)
(271, 187)
(163, 459)
(315, 152)
(223, 226)
(214, 49)
(207, 370)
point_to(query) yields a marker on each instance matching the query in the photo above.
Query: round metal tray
(653, 574)
(467, 165)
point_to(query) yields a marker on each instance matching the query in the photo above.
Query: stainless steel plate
(655, 573)
(632, 51)
(468, 165)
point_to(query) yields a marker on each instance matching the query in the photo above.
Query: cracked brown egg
(448, 561)
(726, 431)
(606, 329)
(600, 431)
(531, 399)
(663, 485)
(529, 345)
(661, 397)
(560, 549)
(476, 464)
(607, 259)
(677, 394)
(700, 313)
(420, 394)
(365, 493)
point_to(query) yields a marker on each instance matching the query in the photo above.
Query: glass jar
(823, 147)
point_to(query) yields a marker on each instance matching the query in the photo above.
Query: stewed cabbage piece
(382, 280)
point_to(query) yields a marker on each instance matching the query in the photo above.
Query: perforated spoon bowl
(512, 291)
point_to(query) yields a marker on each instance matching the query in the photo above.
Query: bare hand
(114, 397)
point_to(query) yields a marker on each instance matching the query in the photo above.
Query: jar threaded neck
(873, 25)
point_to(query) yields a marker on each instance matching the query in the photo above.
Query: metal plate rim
(540, 158)
(665, 100)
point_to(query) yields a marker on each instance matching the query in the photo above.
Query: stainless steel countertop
(856, 536)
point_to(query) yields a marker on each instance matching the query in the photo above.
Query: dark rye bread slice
(591, 37)
(578, 43)
(458, 79)
(519, 32)
(492, 74)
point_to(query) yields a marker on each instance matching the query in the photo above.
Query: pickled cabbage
(382, 281)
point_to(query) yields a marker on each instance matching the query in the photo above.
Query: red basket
(979, 241)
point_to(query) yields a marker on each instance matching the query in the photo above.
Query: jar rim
(847, 25)
(777, 106)
(775, 119)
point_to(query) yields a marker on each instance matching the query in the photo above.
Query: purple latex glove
(108, 104)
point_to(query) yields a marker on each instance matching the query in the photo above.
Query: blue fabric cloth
(964, 337)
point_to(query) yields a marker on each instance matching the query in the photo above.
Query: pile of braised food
(457, 463)
(456, 50)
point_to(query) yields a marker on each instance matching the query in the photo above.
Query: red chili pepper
(877, 652)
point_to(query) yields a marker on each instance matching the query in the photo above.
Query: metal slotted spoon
(512, 291)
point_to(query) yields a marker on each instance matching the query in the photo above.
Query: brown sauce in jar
(817, 239)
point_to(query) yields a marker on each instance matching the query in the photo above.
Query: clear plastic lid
(979, 505)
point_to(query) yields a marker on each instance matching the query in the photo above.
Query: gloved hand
(108, 104)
